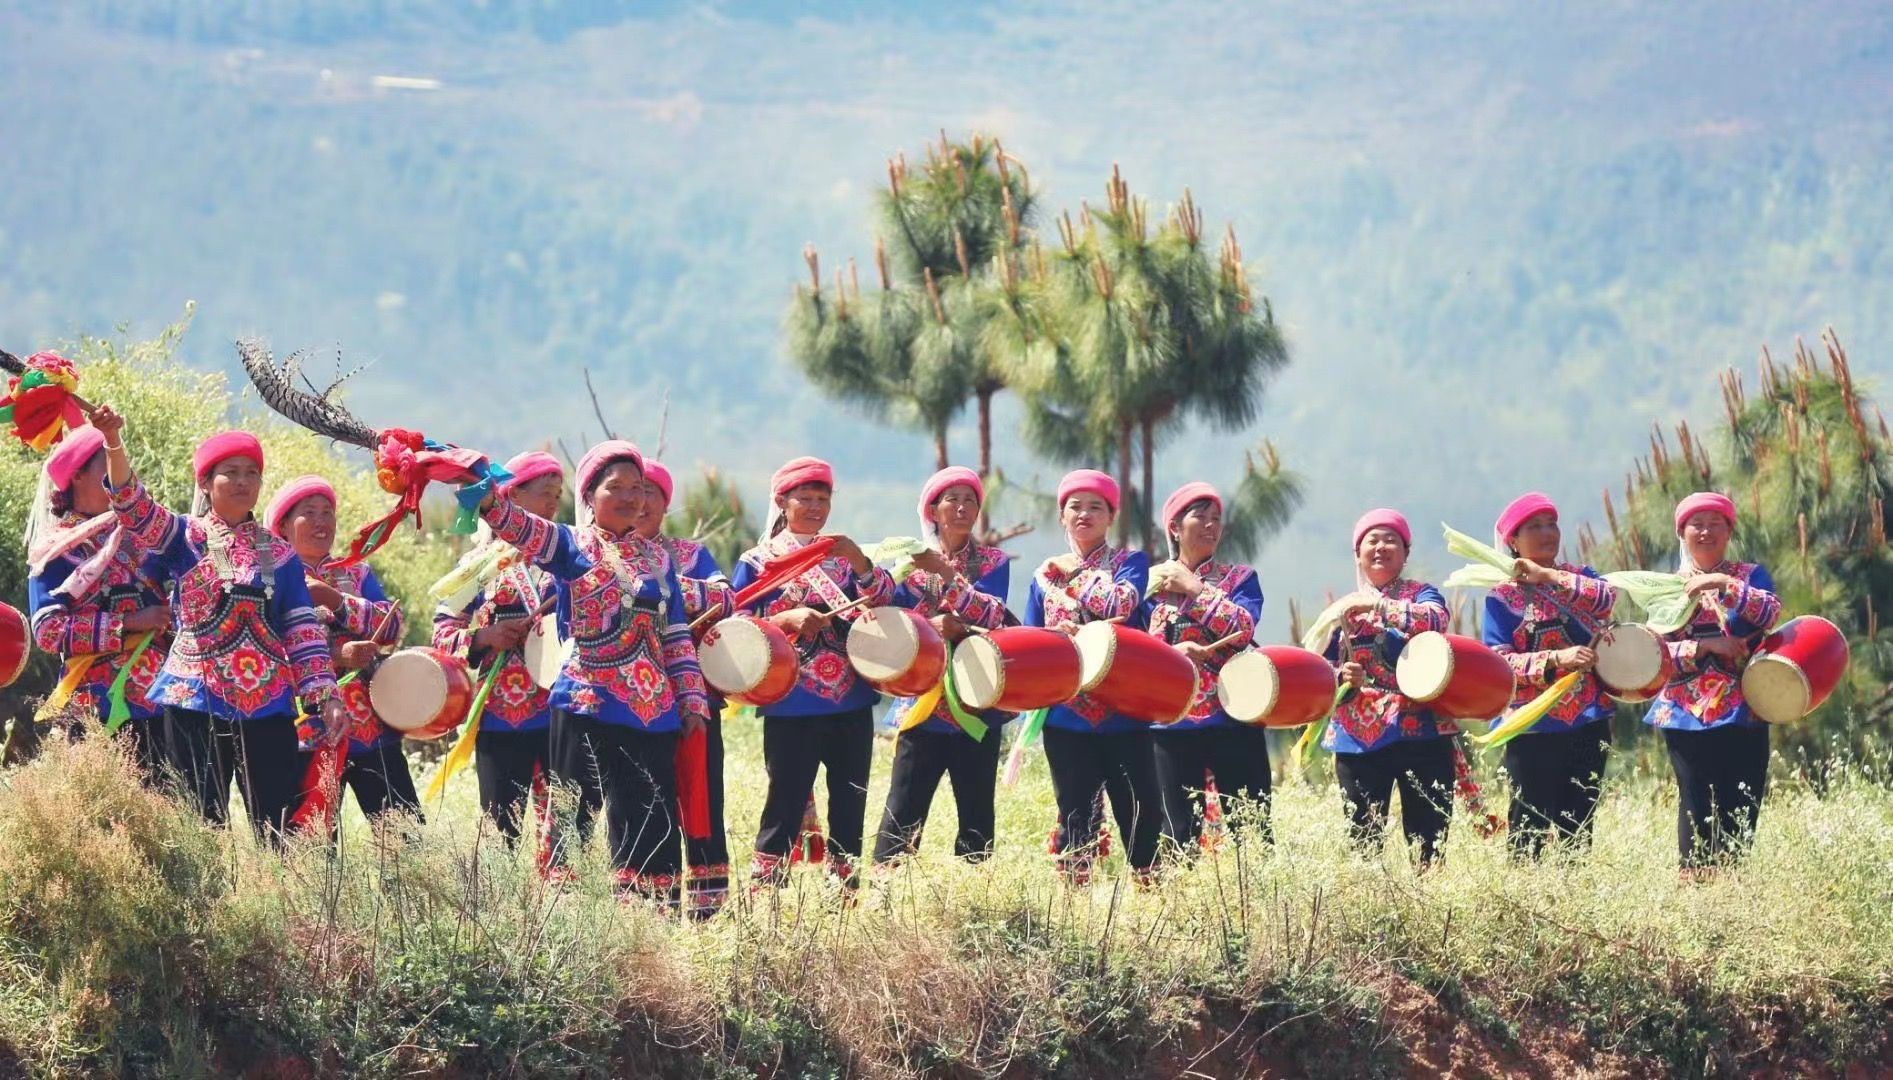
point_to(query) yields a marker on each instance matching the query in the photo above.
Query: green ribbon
(1034, 723)
(968, 722)
(121, 709)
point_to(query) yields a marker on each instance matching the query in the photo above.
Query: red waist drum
(897, 651)
(1455, 677)
(1795, 669)
(1016, 669)
(748, 660)
(422, 693)
(1134, 674)
(1276, 686)
(1633, 663)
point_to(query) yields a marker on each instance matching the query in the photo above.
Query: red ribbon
(693, 783)
(404, 465)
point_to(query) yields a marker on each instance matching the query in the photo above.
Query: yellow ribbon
(76, 668)
(1528, 714)
(922, 707)
(462, 752)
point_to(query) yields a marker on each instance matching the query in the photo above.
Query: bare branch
(598, 411)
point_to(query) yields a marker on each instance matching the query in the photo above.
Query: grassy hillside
(133, 939)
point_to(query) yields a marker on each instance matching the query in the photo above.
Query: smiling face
(955, 512)
(1197, 531)
(1381, 556)
(619, 497)
(540, 495)
(310, 528)
(651, 521)
(1086, 518)
(805, 508)
(1706, 536)
(1538, 538)
(87, 494)
(232, 487)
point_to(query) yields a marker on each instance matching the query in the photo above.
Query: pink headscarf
(1713, 501)
(656, 473)
(530, 466)
(1383, 518)
(285, 500)
(798, 471)
(937, 485)
(1521, 510)
(1088, 481)
(599, 457)
(222, 447)
(1181, 499)
(72, 454)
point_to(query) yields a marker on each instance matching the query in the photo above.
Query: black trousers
(380, 779)
(635, 773)
(260, 754)
(709, 858)
(921, 758)
(793, 747)
(510, 765)
(1423, 771)
(1237, 755)
(1123, 765)
(1557, 777)
(1721, 778)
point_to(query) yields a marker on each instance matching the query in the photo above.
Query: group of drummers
(232, 647)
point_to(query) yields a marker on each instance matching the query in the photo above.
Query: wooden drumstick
(849, 606)
(1236, 638)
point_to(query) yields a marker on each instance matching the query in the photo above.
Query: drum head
(1629, 657)
(409, 690)
(1777, 689)
(1425, 667)
(1247, 687)
(883, 644)
(735, 656)
(979, 672)
(1097, 648)
(545, 654)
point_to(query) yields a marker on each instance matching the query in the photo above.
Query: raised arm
(545, 543)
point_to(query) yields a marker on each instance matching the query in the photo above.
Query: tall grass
(134, 940)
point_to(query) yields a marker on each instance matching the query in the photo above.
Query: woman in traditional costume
(96, 599)
(250, 645)
(487, 607)
(827, 720)
(1207, 609)
(957, 584)
(1380, 739)
(1088, 748)
(1718, 747)
(632, 683)
(1543, 623)
(361, 622)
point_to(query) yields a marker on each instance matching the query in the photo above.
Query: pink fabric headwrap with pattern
(1519, 512)
(530, 466)
(1383, 518)
(1088, 480)
(292, 493)
(222, 447)
(1713, 501)
(72, 453)
(600, 457)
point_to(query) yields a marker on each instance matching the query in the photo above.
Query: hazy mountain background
(1504, 241)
